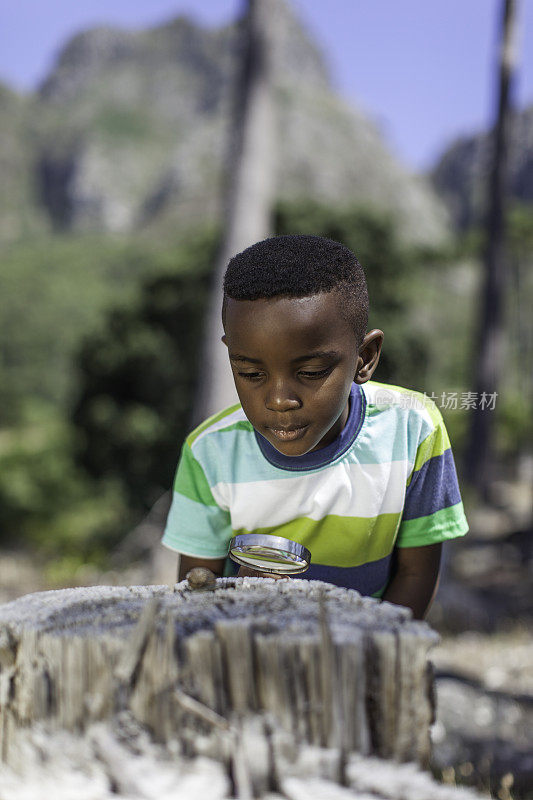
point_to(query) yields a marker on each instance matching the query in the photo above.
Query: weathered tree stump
(257, 675)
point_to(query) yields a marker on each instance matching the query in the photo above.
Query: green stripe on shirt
(210, 421)
(191, 480)
(448, 523)
(339, 541)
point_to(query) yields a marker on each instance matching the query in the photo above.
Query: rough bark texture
(250, 688)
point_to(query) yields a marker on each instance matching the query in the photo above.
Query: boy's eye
(250, 375)
(315, 373)
(307, 373)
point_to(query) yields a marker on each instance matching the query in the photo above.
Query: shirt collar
(324, 455)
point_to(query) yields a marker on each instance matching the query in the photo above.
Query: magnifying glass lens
(267, 553)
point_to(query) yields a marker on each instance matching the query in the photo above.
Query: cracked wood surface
(252, 675)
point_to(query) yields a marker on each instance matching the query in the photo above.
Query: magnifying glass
(270, 554)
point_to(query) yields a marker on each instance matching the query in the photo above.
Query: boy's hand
(246, 572)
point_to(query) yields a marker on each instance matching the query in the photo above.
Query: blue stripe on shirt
(366, 579)
(433, 486)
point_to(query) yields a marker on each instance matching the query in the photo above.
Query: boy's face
(293, 361)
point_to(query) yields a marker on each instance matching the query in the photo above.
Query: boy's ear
(223, 339)
(369, 354)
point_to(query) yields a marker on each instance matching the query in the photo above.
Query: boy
(359, 472)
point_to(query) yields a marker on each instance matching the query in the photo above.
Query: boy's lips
(289, 433)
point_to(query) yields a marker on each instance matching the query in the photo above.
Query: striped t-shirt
(387, 481)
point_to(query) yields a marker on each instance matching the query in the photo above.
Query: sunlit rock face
(131, 128)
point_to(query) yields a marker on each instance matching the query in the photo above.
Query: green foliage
(123, 123)
(60, 293)
(55, 291)
(137, 383)
(48, 500)
(519, 235)
(512, 423)
(520, 231)
(514, 428)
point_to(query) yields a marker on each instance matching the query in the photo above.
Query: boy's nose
(280, 397)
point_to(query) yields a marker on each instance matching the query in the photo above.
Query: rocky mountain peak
(131, 127)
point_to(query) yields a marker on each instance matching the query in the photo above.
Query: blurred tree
(513, 420)
(137, 382)
(48, 501)
(76, 490)
(249, 192)
(55, 290)
(489, 356)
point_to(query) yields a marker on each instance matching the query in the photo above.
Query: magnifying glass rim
(274, 543)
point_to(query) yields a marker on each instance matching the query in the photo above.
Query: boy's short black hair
(300, 265)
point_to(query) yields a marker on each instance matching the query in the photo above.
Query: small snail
(201, 579)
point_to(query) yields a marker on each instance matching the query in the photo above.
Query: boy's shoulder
(232, 418)
(385, 396)
(404, 415)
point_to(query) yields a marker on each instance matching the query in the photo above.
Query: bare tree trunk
(249, 192)
(332, 669)
(247, 207)
(287, 690)
(489, 354)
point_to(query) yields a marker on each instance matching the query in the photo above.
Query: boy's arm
(186, 563)
(415, 576)
(432, 513)
(195, 521)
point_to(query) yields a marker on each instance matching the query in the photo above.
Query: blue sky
(422, 69)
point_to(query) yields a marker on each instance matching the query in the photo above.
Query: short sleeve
(196, 524)
(433, 510)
